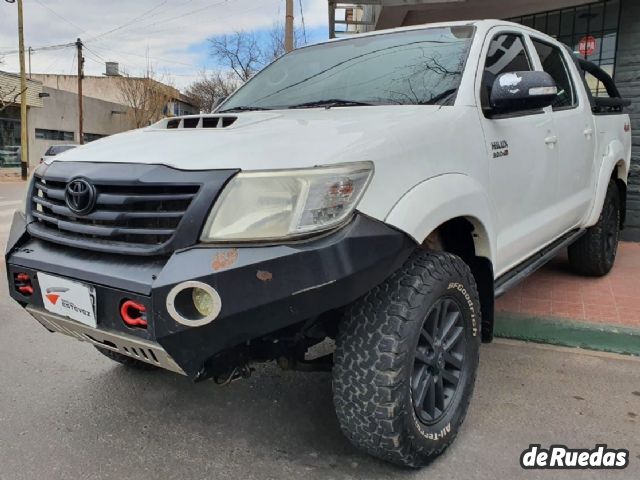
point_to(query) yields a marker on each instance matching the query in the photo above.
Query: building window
(90, 137)
(10, 138)
(590, 30)
(44, 134)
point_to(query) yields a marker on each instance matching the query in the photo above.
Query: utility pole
(288, 27)
(332, 19)
(24, 142)
(80, 75)
(30, 62)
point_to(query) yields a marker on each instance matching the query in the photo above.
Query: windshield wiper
(440, 98)
(332, 102)
(243, 108)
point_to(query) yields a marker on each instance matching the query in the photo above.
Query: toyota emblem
(80, 196)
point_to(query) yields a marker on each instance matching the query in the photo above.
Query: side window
(507, 53)
(554, 63)
(596, 86)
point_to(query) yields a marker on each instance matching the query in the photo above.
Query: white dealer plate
(70, 299)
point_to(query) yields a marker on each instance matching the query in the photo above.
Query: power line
(256, 7)
(193, 12)
(56, 60)
(99, 53)
(106, 51)
(130, 22)
(141, 18)
(41, 49)
(73, 62)
(59, 16)
(94, 53)
(304, 28)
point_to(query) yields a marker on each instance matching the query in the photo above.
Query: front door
(522, 159)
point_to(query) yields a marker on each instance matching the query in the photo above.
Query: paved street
(67, 412)
(11, 196)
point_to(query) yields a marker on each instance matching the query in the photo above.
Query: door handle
(551, 140)
(588, 132)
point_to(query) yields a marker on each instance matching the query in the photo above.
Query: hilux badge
(500, 148)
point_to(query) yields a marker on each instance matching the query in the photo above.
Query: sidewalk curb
(568, 333)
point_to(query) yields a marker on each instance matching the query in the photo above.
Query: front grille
(145, 215)
(139, 209)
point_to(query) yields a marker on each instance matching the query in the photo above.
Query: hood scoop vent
(201, 122)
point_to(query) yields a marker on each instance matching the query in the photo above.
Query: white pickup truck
(379, 190)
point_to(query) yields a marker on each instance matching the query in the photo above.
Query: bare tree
(241, 52)
(146, 97)
(276, 41)
(9, 96)
(245, 55)
(207, 92)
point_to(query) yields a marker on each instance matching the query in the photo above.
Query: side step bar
(514, 276)
(128, 345)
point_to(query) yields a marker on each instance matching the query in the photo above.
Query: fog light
(203, 301)
(193, 304)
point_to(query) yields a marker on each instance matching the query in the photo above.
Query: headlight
(286, 203)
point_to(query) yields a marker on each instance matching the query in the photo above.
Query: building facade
(10, 95)
(52, 119)
(109, 88)
(57, 122)
(52, 114)
(606, 32)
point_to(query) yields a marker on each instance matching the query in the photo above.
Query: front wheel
(594, 253)
(406, 360)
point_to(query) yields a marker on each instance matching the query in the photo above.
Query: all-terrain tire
(126, 361)
(379, 349)
(594, 253)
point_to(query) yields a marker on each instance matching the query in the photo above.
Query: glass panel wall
(590, 30)
(10, 137)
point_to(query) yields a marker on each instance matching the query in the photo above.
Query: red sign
(587, 45)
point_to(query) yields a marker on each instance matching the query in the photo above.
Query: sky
(172, 34)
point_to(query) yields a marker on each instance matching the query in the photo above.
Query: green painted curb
(567, 333)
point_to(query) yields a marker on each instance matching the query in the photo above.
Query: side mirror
(522, 91)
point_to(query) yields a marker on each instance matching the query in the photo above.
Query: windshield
(417, 67)
(55, 150)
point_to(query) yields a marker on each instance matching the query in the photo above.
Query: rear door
(522, 160)
(575, 130)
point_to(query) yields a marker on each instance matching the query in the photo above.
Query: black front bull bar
(263, 288)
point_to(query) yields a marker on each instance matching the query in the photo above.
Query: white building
(52, 113)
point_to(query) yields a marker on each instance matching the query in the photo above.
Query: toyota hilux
(378, 191)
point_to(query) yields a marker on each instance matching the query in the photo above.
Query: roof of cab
(484, 24)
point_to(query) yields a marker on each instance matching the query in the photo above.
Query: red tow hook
(26, 290)
(133, 315)
(23, 284)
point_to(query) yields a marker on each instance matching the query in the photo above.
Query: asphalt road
(66, 412)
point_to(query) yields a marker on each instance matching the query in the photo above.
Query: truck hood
(407, 144)
(259, 140)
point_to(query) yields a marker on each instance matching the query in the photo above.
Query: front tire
(406, 360)
(594, 253)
